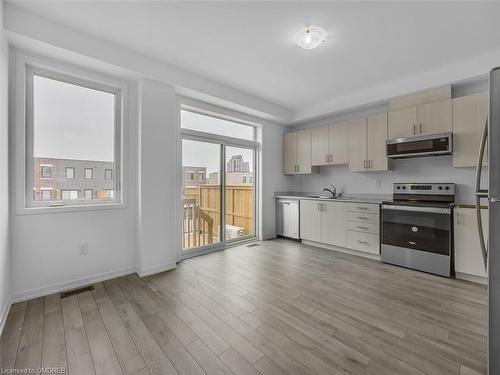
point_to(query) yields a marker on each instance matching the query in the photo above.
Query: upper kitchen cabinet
(469, 118)
(297, 152)
(330, 144)
(435, 117)
(367, 138)
(402, 123)
(428, 112)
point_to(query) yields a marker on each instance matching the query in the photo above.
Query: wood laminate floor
(277, 308)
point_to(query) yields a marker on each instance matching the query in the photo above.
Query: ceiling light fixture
(311, 37)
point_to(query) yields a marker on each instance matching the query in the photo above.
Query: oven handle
(434, 210)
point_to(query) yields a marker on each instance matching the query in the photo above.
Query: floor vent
(70, 293)
(253, 245)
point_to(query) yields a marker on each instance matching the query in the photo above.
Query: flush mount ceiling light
(310, 37)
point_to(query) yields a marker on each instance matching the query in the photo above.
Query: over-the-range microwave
(420, 146)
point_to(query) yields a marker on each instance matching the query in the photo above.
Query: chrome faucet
(332, 191)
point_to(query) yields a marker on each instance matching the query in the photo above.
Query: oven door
(426, 229)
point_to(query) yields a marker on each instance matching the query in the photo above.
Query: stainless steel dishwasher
(287, 218)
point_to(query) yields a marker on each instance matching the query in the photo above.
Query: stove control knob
(447, 188)
(404, 187)
(440, 188)
(399, 187)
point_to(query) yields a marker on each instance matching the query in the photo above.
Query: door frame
(223, 141)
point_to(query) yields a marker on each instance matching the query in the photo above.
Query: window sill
(65, 209)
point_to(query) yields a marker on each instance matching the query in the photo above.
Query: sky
(72, 122)
(202, 154)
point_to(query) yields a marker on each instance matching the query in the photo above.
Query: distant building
(232, 179)
(194, 176)
(56, 179)
(236, 164)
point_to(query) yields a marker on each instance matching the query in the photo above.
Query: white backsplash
(430, 169)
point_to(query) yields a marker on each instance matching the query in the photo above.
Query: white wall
(4, 177)
(432, 169)
(158, 204)
(272, 178)
(44, 246)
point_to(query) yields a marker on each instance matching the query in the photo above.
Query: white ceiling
(249, 45)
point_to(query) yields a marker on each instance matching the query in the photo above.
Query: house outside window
(70, 173)
(46, 194)
(46, 171)
(108, 174)
(69, 194)
(88, 194)
(191, 176)
(88, 173)
(201, 176)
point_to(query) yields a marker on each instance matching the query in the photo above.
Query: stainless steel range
(417, 227)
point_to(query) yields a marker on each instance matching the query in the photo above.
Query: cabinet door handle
(420, 128)
(319, 205)
(414, 129)
(412, 242)
(364, 164)
(370, 164)
(364, 242)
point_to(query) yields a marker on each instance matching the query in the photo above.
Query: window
(108, 174)
(46, 171)
(244, 180)
(46, 194)
(214, 125)
(88, 194)
(191, 176)
(201, 176)
(88, 173)
(70, 121)
(69, 194)
(70, 173)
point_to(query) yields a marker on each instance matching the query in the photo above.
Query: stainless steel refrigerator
(491, 196)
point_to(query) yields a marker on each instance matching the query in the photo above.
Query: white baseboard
(3, 316)
(55, 288)
(157, 269)
(471, 278)
(342, 250)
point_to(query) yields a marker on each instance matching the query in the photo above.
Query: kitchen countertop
(353, 198)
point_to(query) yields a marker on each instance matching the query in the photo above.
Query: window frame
(30, 70)
(42, 167)
(85, 169)
(66, 173)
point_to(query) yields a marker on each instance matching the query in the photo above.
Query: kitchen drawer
(363, 227)
(363, 217)
(368, 208)
(367, 242)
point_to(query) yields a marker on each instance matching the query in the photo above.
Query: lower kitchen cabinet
(310, 220)
(322, 221)
(353, 226)
(468, 257)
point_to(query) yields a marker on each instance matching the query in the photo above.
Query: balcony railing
(197, 225)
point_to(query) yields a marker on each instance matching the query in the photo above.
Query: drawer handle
(362, 228)
(362, 208)
(362, 218)
(363, 242)
(412, 242)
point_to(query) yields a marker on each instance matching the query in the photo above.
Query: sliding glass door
(201, 194)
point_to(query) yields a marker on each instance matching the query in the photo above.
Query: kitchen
(384, 162)
(249, 187)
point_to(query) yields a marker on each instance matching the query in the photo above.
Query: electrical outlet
(83, 248)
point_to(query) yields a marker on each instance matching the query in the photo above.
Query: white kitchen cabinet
(297, 152)
(468, 257)
(367, 138)
(338, 143)
(469, 117)
(330, 144)
(357, 145)
(310, 220)
(319, 137)
(402, 123)
(435, 117)
(322, 221)
(428, 118)
(333, 224)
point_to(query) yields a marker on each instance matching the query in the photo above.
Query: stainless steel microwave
(420, 146)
